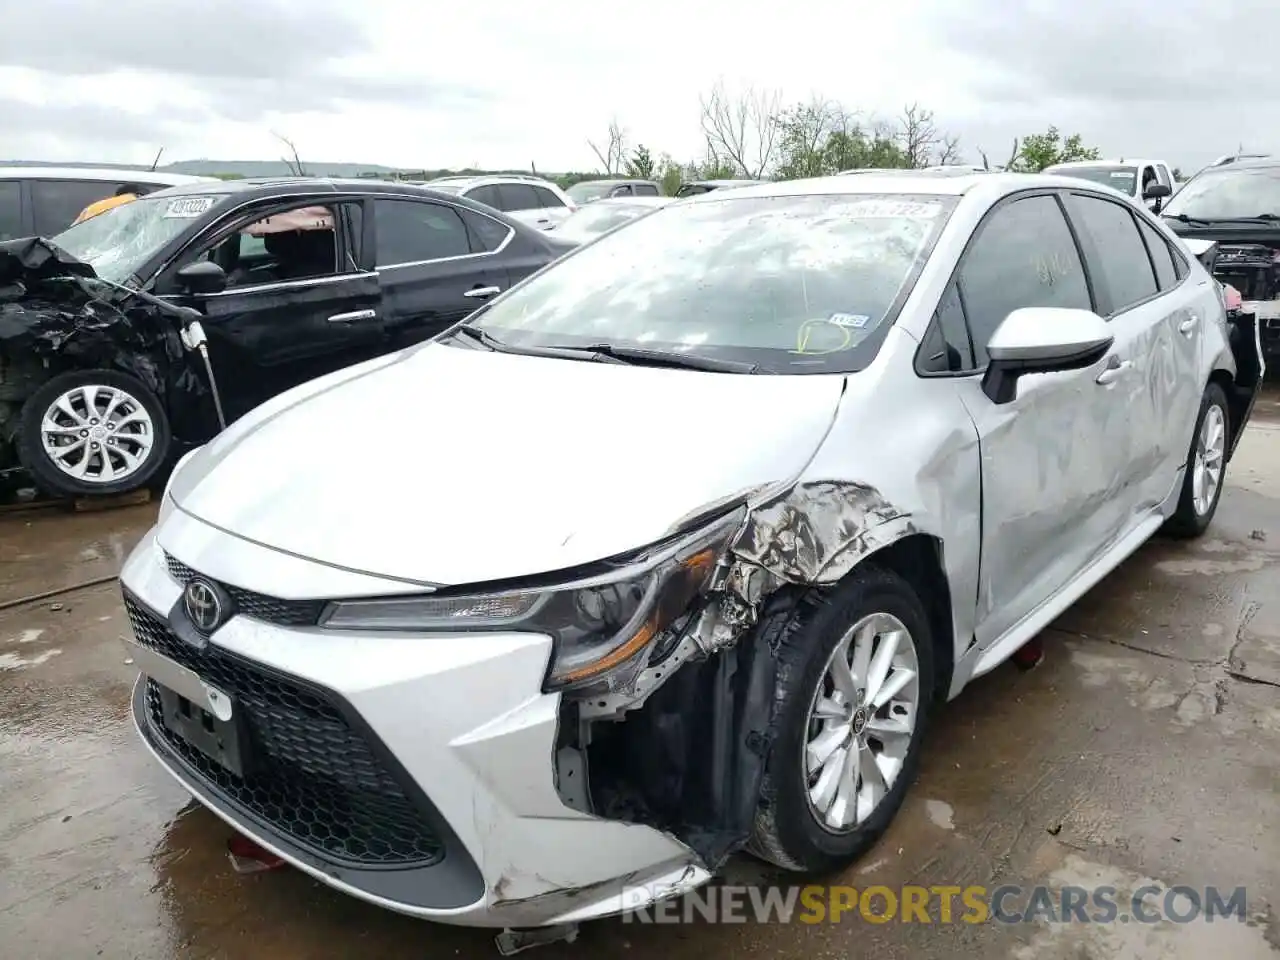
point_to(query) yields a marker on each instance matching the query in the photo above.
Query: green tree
(641, 163)
(820, 138)
(670, 175)
(1040, 150)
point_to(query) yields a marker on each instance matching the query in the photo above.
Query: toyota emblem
(204, 605)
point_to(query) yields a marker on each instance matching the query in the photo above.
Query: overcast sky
(505, 83)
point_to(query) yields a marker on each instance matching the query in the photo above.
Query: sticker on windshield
(894, 209)
(855, 320)
(1120, 175)
(187, 208)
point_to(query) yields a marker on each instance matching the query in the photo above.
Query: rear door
(285, 318)
(437, 264)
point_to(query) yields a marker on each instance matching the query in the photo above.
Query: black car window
(488, 195)
(946, 347)
(1114, 250)
(546, 198)
(297, 244)
(1023, 256)
(57, 203)
(518, 196)
(11, 210)
(646, 190)
(410, 231)
(487, 234)
(1161, 255)
(622, 190)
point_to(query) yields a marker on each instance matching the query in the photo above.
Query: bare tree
(614, 154)
(917, 134)
(295, 165)
(156, 162)
(1009, 164)
(949, 151)
(741, 131)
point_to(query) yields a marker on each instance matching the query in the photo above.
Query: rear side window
(1161, 255)
(646, 190)
(1024, 256)
(518, 196)
(410, 231)
(546, 198)
(1115, 252)
(57, 203)
(623, 190)
(11, 210)
(487, 234)
(488, 195)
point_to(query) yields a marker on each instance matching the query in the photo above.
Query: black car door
(437, 263)
(298, 303)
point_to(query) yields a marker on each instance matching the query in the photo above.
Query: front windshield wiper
(487, 339)
(1183, 218)
(667, 358)
(1208, 221)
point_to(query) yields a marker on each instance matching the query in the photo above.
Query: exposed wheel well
(1238, 396)
(918, 560)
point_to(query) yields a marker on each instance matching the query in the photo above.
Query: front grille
(258, 606)
(309, 774)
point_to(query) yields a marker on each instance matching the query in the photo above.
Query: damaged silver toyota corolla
(672, 549)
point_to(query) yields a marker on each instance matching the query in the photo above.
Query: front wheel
(88, 432)
(1206, 467)
(854, 692)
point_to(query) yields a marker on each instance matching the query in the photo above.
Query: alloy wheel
(861, 721)
(1207, 463)
(97, 434)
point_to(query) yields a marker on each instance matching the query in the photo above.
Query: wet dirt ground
(1145, 749)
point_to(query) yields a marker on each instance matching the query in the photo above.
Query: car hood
(448, 465)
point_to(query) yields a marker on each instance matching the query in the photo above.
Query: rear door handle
(353, 316)
(1188, 325)
(480, 293)
(1114, 371)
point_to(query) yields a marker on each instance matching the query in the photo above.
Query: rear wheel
(853, 696)
(91, 432)
(1206, 467)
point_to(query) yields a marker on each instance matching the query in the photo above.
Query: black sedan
(290, 279)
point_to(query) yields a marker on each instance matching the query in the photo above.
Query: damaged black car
(142, 331)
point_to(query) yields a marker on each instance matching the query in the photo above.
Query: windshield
(601, 217)
(1116, 177)
(795, 284)
(582, 192)
(1223, 193)
(119, 242)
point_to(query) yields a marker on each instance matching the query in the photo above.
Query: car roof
(492, 178)
(629, 202)
(1253, 163)
(108, 174)
(993, 183)
(733, 181)
(1121, 162)
(609, 180)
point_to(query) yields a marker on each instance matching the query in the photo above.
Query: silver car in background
(743, 491)
(601, 216)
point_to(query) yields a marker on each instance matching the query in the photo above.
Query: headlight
(597, 625)
(166, 501)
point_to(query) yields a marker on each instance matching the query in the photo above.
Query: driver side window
(295, 244)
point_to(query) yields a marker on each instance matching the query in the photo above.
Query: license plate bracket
(222, 741)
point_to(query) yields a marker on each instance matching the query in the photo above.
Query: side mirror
(202, 277)
(1157, 191)
(1042, 340)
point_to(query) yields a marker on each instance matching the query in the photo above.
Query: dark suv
(291, 278)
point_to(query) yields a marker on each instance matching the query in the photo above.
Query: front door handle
(1188, 326)
(481, 293)
(1114, 371)
(354, 316)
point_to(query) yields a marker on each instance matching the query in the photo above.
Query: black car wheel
(88, 432)
(853, 698)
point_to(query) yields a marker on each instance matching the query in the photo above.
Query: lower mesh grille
(310, 775)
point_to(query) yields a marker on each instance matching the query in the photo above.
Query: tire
(787, 830)
(1193, 515)
(142, 432)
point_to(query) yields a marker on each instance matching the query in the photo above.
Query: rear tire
(93, 432)
(1206, 467)
(881, 727)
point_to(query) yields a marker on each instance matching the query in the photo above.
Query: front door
(297, 305)
(436, 265)
(1050, 457)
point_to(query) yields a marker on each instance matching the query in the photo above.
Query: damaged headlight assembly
(601, 626)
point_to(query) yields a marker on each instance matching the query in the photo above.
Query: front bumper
(415, 772)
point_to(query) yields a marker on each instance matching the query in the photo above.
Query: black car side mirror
(1157, 191)
(202, 277)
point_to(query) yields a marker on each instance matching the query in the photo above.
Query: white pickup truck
(1144, 181)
